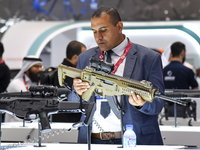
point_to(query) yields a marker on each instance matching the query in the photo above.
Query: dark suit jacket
(51, 78)
(141, 64)
(4, 77)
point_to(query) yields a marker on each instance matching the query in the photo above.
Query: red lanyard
(1, 62)
(25, 83)
(73, 66)
(101, 56)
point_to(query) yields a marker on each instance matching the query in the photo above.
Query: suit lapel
(130, 62)
(95, 53)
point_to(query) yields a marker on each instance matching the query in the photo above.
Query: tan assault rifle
(111, 84)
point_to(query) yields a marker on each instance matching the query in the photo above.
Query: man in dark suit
(132, 61)
(4, 71)
(4, 74)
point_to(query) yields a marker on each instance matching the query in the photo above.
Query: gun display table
(14, 131)
(181, 135)
(95, 147)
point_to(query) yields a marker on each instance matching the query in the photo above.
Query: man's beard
(34, 76)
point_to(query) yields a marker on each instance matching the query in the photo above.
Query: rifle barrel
(180, 102)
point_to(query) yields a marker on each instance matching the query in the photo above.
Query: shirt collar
(119, 50)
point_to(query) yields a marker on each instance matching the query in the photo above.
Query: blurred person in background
(73, 49)
(198, 77)
(178, 76)
(29, 74)
(4, 71)
(166, 58)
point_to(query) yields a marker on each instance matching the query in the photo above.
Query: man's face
(107, 36)
(35, 72)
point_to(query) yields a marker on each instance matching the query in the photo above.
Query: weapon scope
(46, 89)
(101, 65)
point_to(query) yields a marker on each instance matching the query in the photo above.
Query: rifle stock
(71, 72)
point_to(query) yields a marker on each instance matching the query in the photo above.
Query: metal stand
(89, 137)
(39, 135)
(121, 118)
(0, 127)
(88, 129)
(175, 115)
(23, 123)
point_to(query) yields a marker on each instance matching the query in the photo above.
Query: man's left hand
(136, 100)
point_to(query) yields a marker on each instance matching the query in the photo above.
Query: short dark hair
(74, 48)
(112, 12)
(1, 49)
(176, 49)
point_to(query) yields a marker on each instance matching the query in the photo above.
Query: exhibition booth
(48, 40)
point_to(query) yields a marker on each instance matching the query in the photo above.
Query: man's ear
(75, 57)
(120, 26)
(183, 52)
(170, 57)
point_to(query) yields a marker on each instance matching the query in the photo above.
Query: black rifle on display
(186, 95)
(42, 101)
(182, 93)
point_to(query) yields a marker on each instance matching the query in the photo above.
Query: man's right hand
(80, 86)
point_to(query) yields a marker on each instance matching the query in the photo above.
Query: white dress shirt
(111, 123)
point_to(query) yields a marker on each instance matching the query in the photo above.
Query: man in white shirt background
(29, 74)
